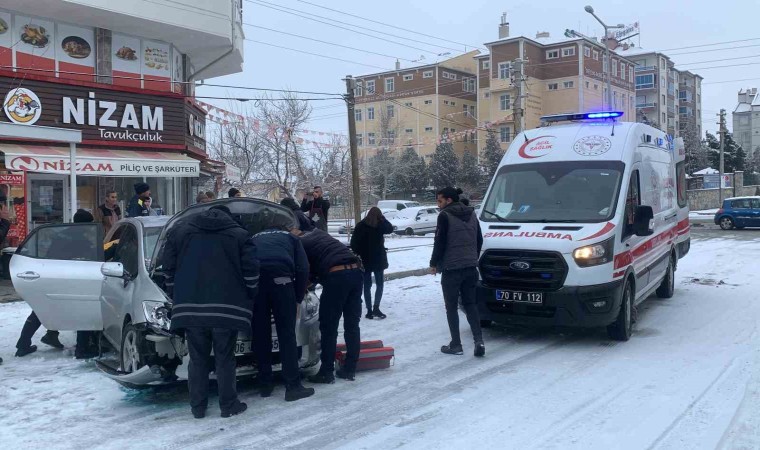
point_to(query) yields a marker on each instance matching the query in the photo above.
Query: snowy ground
(689, 378)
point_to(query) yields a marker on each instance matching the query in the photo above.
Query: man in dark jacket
(304, 223)
(136, 207)
(316, 207)
(458, 241)
(339, 272)
(212, 275)
(5, 225)
(284, 279)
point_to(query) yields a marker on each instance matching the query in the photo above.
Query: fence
(702, 199)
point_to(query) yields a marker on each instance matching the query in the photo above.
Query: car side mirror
(112, 269)
(644, 223)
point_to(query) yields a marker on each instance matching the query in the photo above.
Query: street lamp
(590, 9)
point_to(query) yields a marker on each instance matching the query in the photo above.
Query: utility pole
(589, 9)
(517, 111)
(722, 131)
(351, 103)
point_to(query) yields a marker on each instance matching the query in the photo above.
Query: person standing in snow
(316, 207)
(458, 241)
(5, 225)
(212, 275)
(368, 241)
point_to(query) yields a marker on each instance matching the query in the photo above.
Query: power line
(723, 67)
(313, 17)
(719, 60)
(715, 50)
(709, 45)
(242, 99)
(314, 54)
(389, 25)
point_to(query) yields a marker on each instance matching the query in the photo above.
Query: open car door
(56, 270)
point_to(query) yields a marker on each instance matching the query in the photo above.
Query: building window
(664, 119)
(568, 84)
(553, 86)
(370, 138)
(358, 115)
(505, 102)
(390, 85)
(445, 131)
(596, 55)
(428, 102)
(614, 68)
(486, 65)
(487, 95)
(664, 102)
(446, 102)
(391, 139)
(453, 103)
(408, 104)
(370, 87)
(360, 139)
(504, 69)
(552, 54)
(588, 84)
(409, 77)
(391, 111)
(682, 110)
(568, 51)
(428, 129)
(409, 131)
(464, 109)
(371, 113)
(468, 85)
(472, 111)
(359, 89)
(453, 76)
(631, 101)
(630, 73)
(505, 134)
(427, 74)
(596, 87)
(604, 63)
(622, 71)
(645, 81)
(587, 52)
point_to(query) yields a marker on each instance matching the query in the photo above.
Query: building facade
(545, 76)
(418, 107)
(123, 76)
(689, 103)
(746, 121)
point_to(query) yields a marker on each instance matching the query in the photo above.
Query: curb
(407, 274)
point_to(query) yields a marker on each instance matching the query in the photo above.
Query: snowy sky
(664, 25)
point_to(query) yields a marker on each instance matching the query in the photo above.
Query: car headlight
(157, 313)
(310, 306)
(595, 254)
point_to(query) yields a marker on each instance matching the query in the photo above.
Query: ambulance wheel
(622, 327)
(130, 356)
(726, 223)
(668, 286)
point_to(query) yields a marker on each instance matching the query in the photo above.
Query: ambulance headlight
(595, 254)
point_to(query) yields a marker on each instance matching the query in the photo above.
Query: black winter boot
(377, 313)
(298, 392)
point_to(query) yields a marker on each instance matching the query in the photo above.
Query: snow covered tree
(696, 153)
(490, 157)
(734, 157)
(411, 172)
(444, 166)
(381, 171)
(470, 176)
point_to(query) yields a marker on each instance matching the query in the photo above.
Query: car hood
(560, 237)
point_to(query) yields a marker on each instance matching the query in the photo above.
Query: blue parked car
(739, 212)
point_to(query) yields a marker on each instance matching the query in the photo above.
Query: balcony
(645, 68)
(646, 105)
(204, 30)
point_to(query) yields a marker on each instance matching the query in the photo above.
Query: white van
(581, 223)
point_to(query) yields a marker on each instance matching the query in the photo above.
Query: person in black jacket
(458, 241)
(368, 241)
(316, 207)
(212, 275)
(304, 223)
(136, 207)
(338, 270)
(284, 279)
(5, 225)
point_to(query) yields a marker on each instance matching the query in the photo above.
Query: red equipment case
(372, 355)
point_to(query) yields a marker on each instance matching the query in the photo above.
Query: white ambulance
(584, 219)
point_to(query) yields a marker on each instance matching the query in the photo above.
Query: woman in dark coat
(368, 241)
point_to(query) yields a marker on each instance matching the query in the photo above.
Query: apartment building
(746, 121)
(689, 102)
(656, 89)
(418, 107)
(559, 76)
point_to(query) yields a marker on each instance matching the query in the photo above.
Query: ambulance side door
(632, 242)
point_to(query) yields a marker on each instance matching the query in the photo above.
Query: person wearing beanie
(304, 223)
(234, 192)
(136, 206)
(457, 245)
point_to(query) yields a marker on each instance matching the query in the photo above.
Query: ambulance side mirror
(644, 222)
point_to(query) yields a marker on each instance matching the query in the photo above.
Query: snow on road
(689, 378)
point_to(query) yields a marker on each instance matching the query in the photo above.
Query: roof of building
(707, 171)
(550, 41)
(638, 51)
(743, 108)
(424, 66)
(756, 101)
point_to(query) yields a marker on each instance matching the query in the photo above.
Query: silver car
(59, 271)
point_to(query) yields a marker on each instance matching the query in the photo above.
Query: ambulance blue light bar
(582, 116)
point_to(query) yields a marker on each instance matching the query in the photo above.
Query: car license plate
(534, 298)
(244, 347)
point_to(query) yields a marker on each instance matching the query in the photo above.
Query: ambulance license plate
(244, 347)
(534, 298)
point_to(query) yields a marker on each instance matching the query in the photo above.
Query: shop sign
(112, 167)
(11, 179)
(131, 125)
(22, 106)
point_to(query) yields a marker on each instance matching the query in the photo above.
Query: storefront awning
(99, 162)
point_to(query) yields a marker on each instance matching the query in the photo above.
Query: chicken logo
(22, 106)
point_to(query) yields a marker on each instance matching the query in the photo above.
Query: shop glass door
(47, 202)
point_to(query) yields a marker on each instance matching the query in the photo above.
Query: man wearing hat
(137, 206)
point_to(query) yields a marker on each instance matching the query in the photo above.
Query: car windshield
(584, 191)
(150, 239)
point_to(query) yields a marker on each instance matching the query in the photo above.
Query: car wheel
(409, 232)
(726, 223)
(622, 327)
(131, 357)
(668, 286)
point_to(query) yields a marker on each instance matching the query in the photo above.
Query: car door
(56, 270)
(420, 221)
(742, 212)
(117, 293)
(755, 204)
(432, 220)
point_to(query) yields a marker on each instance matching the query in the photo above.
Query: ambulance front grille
(523, 270)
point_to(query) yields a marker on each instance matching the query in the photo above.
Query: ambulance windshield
(583, 191)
